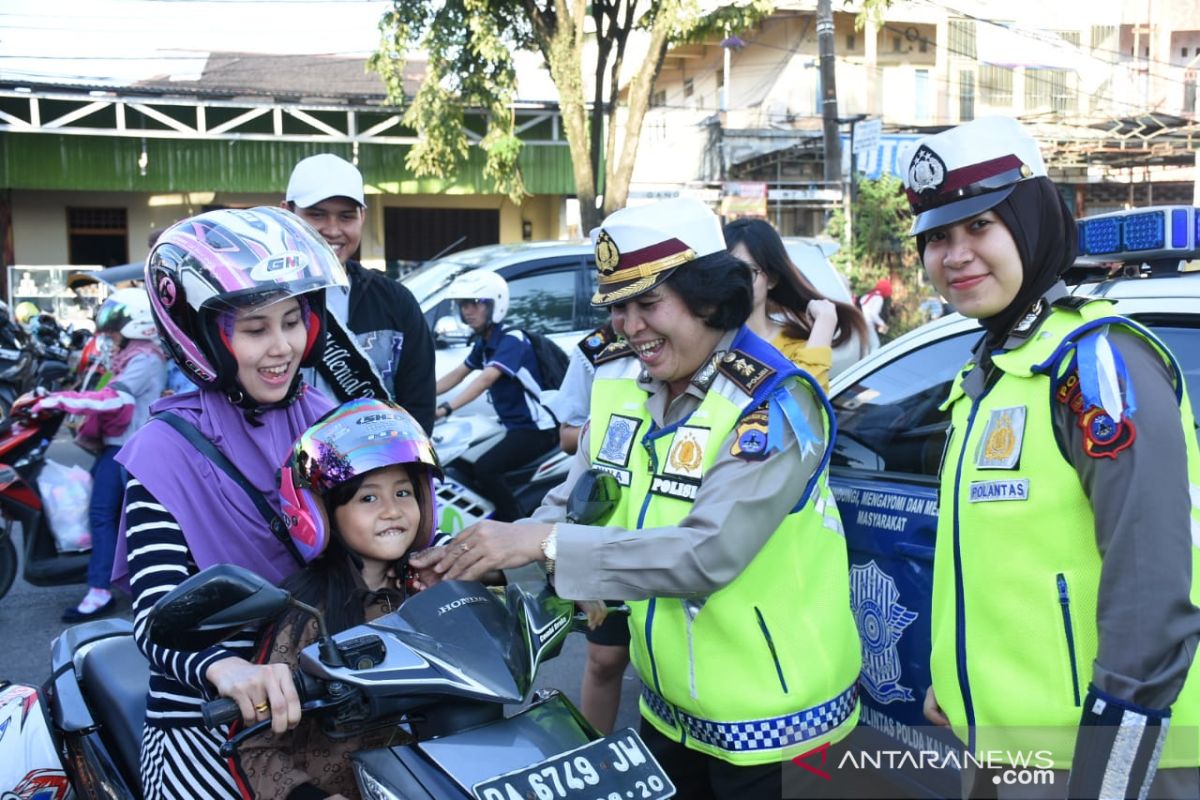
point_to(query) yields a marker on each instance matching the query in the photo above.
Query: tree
(881, 248)
(469, 44)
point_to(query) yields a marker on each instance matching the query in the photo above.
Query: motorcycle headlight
(371, 787)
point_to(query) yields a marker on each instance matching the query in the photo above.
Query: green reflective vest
(1017, 569)
(764, 668)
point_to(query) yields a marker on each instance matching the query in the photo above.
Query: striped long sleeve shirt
(159, 559)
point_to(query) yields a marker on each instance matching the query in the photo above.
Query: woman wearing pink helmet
(239, 300)
(358, 496)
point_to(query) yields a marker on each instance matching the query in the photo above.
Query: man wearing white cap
(1063, 625)
(379, 345)
(726, 540)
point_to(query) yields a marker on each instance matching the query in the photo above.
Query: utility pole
(829, 104)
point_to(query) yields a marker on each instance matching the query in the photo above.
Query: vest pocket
(1064, 602)
(766, 632)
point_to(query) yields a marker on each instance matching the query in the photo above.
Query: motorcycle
(53, 348)
(18, 369)
(443, 666)
(23, 443)
(459, 441)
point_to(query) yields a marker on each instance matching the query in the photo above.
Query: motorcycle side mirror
(211, 606)
(450, 330)
(593, 499)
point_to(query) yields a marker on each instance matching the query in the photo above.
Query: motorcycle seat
(115, 675)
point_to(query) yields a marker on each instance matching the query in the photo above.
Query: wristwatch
(446, 407)
(550, 549)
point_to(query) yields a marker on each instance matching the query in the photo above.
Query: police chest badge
(881, 619)
(686, 455)
(618, 439)
(1000, 445)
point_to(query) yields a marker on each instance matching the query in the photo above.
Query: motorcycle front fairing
(450, 765)
(455, 641)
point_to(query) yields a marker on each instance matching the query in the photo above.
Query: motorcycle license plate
(617, 767)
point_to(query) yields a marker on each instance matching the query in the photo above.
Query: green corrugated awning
(102, 163)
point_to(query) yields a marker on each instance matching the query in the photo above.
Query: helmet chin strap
(254, 409)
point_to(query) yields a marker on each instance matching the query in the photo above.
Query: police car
(890, 445)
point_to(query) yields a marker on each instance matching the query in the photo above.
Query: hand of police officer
(933, 712)
(485, 547)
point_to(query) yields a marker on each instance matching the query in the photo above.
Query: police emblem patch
(750, 438)
(1000, 445)
(927, 172)
(687, 452)
(1103, 437)
(618, 440)
(881, 620)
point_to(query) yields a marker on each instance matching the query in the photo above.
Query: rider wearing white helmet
(511, 377)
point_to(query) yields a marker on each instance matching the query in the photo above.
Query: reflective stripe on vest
(799, 728)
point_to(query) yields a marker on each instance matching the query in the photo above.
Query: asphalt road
(29, 622)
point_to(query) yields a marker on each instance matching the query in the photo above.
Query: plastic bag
(66, 492)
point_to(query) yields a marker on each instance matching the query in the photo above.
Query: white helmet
(482, 284)
(127, 312)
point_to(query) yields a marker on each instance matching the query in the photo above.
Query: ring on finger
(262, 708)
(464, 547)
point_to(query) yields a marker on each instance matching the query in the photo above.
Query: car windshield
(436, 275)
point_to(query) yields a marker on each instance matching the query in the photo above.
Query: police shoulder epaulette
(744, 369)
(1072, 302)
(599, 347)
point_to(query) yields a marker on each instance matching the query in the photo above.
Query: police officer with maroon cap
(1064, 620)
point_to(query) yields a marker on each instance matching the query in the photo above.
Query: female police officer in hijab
(726, 539)
(1064, 576)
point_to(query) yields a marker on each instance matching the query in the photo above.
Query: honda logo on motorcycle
(465, 601)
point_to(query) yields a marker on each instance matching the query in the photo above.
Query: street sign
(866, 134)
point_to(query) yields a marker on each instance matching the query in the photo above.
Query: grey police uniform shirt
(573, 401)
(738, 507)
(1148, 628)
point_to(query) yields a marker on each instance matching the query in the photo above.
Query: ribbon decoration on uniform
(782, 406)
(1103, 378)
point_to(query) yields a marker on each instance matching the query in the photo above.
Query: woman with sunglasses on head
(239, 300)
(788, 311)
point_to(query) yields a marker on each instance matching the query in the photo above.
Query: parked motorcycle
(23, 444)
(459, 441)
(54, 353)
(443, 666)
(18, 368)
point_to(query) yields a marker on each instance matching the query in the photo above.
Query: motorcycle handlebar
(224, 711)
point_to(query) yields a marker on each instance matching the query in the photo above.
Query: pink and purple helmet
(348, 442)
(217, 262)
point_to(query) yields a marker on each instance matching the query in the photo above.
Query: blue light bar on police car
(1141, 233)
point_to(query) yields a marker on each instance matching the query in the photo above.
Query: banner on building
(740, 199)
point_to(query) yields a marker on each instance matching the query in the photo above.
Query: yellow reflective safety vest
(766, 667)
(1016, 566)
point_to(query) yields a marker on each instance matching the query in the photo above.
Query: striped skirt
(185, 763)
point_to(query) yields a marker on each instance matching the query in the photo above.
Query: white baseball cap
(323, 176)
(956, 174)
(638, 248)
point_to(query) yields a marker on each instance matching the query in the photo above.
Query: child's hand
(596, 610)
